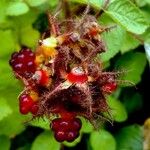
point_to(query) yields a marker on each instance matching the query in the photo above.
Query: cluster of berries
(23, 63)
(66, 129)
(63, 77)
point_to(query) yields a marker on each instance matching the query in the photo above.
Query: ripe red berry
(109, 87)
(22, 62)
(77, 75)
(76, 124)
(41, 77)
(66, 129)
(55, 125)
(25, 103)
(72, 135)
(34, 109)
(60, 136)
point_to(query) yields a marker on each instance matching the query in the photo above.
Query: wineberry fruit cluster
(66, 129)
(22, 62)
(27, 104)
(62, 77)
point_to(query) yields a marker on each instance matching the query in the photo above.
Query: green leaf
(4, 143)
(3, 6)
(132, 101)
(12, 125)
(86, 126)
(141, 3)
(42, 123)
(114, 40)
(95, 3)
(5, 109)
(102, 140)
(130, 138)
(45, 141)
(26, 19)
(125, 13)
(29, 36)
(117, 109)
(35, 3)
(134, 63)
(17, 8)
(7, 42)
(129, 43)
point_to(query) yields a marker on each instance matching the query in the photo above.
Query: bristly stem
(54, 29)
(67, 11)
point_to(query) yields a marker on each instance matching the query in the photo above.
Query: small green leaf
(125, 13)
(117, 109)
(5, 109)
(130, 138)
(134, 63)
(4, 143)
(114, 40)
(86, 126)
(17, 8)
(35, 3)
(42, 123)
(45, 141)
(29, 36)
(102, 140)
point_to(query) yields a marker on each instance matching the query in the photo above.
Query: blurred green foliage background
(21, 24)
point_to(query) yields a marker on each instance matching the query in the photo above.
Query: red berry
(55, 125)
(24, 110)
(60, 136)
(34, 109)
(64, 124)
(76, 124)
(109, 87)
(77, 75)
(22, 62)
(25, 103)
(41, 77)
(60, 123)
(66, 129)
(72, 135)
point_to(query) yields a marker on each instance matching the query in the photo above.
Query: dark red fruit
(60, 136)
(72, 135)
(66, 129)
(22, 62)
(25, 103)
(109, 87)
(55, 125)
(76, 124)
(34, 109)
(77, 75)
